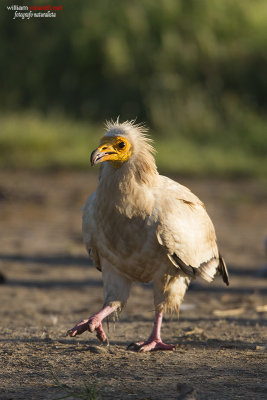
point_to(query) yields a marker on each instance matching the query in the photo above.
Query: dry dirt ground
(50, 285)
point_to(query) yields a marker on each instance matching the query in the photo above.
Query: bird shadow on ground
(58, 260)
(64, 283)
(66, 260)
(41, 284)
(84, 261)
(74, 284)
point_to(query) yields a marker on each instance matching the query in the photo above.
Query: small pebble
(261, 348)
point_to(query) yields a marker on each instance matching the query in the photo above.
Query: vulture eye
(121, 145)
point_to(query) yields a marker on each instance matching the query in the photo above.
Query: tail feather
(223, 270)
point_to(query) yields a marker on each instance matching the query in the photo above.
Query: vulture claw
(78, 329)
(90, 325)
(152, 345)
(100, 334)
(69, 333)
(134, 346)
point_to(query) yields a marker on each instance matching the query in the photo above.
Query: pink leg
(93, 324)
(154, 341)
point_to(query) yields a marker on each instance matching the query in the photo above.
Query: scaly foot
(92, 324)
(150, 345)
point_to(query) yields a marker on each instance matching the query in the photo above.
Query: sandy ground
(50, 284)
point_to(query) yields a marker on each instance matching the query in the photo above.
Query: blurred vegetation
(193, 70)
(31, 140)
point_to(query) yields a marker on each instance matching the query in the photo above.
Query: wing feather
(187, 233)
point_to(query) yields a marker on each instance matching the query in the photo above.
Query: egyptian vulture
(139, 226)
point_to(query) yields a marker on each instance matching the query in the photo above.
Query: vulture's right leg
(116, 292)
(92, 324)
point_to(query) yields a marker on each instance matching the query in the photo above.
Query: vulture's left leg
(116, 292)
(154, 341)
(169, 292)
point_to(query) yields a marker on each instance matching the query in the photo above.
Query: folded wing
(187, 233)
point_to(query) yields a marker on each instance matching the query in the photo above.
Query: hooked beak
(98, 156)
(95, 157)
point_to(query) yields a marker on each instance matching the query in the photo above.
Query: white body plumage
(141, 226)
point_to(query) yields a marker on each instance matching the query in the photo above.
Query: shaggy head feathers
(135, 133)
(142, 161)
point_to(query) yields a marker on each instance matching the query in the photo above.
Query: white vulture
(139, 226)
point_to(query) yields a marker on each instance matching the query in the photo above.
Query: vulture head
(115, 148)
(126, 142)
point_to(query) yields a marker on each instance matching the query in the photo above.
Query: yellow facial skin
(115, 149)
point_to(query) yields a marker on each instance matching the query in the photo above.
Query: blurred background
(195, 71)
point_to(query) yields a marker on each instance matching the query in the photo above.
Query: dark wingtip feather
(223, 270)
(187, 269)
